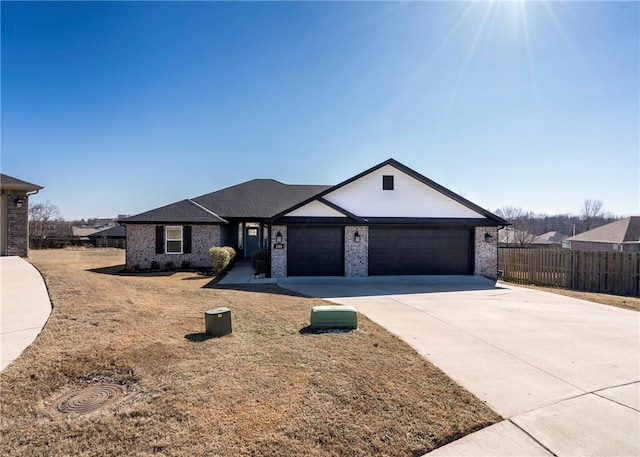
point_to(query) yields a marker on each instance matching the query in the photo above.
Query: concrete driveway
(564, 373)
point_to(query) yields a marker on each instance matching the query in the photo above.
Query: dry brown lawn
(266, 390)
(619, 301)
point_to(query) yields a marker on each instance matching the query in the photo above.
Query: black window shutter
(159, 239)
(186, 239)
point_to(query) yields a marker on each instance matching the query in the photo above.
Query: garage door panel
(419, 251)
(315, 251)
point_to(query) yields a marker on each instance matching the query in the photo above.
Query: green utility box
(217, 322)
(334, 316)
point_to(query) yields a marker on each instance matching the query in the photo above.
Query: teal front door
(251, 240)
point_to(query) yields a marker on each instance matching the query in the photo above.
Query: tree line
(526, 225)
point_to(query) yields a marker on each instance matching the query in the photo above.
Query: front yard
(268, 389)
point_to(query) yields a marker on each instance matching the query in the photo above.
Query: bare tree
(590, 212)
(521, 232)
(44, 222)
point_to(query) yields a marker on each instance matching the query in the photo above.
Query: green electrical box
(334, 316)
(217, 322)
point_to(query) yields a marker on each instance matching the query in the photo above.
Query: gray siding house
(387, 220)
(14, 215)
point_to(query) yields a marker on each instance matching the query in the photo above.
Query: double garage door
(419, 251)
(393, 250)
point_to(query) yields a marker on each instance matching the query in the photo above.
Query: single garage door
(419, 251)
(315, 251)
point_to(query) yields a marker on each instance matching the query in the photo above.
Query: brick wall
(593, 246)
(278, 256)
(17, 224)
(356, 255)
(486, 254)
(141, 246)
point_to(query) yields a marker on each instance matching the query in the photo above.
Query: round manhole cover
(88, 399)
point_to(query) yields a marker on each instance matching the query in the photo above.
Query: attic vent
(387, 182)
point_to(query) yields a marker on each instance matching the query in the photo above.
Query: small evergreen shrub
(260, 254)
(169, 266)
(220, 259)
(185, 265)
(155, 265)
(261, 267)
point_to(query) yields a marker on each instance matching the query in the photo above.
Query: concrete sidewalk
(242, 273)
(564, 373)
(24, 307)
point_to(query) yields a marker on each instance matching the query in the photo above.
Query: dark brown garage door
(419, 251)
(315, 251)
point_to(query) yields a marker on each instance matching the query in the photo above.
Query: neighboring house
(113, 237)
(14, 215)
(548, 240)
(508, 237)
(388, 220)
(621, 235)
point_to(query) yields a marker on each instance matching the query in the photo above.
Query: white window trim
(166, 239)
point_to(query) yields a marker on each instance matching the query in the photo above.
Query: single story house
(622, 235)
(112, 237)
(14, 215)
(549, 240)
(387, 220)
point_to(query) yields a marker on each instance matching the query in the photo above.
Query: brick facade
(17, 223)
(486, 253)
(278, 256)
(141, 246)
(608, 246)
(356, 255)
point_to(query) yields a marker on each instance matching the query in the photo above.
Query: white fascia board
(315, 208)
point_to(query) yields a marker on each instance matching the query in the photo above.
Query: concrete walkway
(24, 307)
(564, 373)
(242, 273)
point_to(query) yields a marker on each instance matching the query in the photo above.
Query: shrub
(260, 254)
(220, 259)
(185, 265)
(155, 265)
(169, 266)
(231, 251)
(261, 267)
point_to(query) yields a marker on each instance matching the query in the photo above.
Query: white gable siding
(410, 198)
(315, 209)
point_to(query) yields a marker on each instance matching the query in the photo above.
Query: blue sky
(120, 107)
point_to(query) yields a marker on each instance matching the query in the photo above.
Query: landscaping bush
(261, 267)
(155, 265)
(220, 259)
(260, 254)
(185, 265)
(169, 266)
(232, 251)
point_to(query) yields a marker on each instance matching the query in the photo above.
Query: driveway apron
(564, 373)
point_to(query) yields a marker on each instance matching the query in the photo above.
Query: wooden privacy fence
(593, 271)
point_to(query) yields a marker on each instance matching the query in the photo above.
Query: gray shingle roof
(116, 231)
(9, 182)
(185, 211)
(549, 238)
(259, 198)
(255, 199)
(623, 230)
